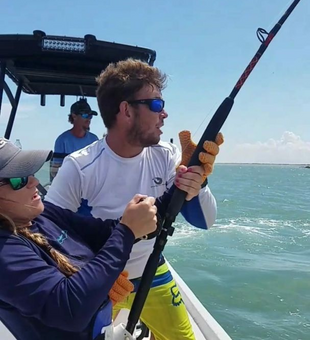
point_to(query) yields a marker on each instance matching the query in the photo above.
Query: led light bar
(54, 44)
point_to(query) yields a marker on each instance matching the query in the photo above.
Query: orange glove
(206, 158)
(121, 288)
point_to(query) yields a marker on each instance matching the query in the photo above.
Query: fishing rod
(178, 196)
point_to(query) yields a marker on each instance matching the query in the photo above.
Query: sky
(203, 46)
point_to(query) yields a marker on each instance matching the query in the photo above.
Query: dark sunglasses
(155, 105)
(86, 115)
(16, 183)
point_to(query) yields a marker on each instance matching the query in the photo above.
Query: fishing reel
(120, 333)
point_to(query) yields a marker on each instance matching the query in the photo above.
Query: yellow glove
(121, 288)
(206, 158)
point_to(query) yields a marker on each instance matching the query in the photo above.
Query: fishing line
(260, 35)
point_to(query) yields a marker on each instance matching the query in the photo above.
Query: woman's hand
(189, 180)
(140, 215)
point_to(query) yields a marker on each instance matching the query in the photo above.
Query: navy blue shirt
(37, 301)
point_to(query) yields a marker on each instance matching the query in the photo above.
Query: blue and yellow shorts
(164, 311)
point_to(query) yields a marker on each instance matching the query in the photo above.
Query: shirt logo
(63, 236)
(158, 180)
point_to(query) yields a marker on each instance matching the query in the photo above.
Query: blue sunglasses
(86, 115)
(155, 104)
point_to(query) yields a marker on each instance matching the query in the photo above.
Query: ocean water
(252, 270)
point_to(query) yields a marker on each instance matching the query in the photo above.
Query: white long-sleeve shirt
(96, 181)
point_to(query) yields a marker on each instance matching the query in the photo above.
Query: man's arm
(199, 211)
(56, 162)
(66, 189)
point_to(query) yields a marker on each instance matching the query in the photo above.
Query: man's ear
(124, 109)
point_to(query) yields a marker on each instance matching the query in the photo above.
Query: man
(78, 136)
(100, 179)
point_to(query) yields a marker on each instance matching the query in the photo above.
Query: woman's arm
(93, 231)
(38, 289)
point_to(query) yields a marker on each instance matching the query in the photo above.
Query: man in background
(77, 137)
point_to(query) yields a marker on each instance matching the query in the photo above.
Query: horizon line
(258, 163)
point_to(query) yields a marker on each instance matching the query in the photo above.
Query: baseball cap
(81, 106)
(15, 162)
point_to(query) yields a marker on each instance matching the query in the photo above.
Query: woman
(57, 267)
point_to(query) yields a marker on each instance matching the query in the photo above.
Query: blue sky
(203, 46)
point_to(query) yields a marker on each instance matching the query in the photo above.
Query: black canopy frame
(41, 64)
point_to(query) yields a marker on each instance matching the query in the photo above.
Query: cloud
(289, 149)
(23, 111)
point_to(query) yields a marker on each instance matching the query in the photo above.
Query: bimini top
(61, 65)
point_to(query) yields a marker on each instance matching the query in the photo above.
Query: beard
(138, 137)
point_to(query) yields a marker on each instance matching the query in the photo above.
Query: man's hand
(121, 288)
(206, 158)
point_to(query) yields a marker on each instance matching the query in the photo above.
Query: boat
(42, 65)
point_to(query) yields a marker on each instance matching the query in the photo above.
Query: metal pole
(13, 112)
(2, 76)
